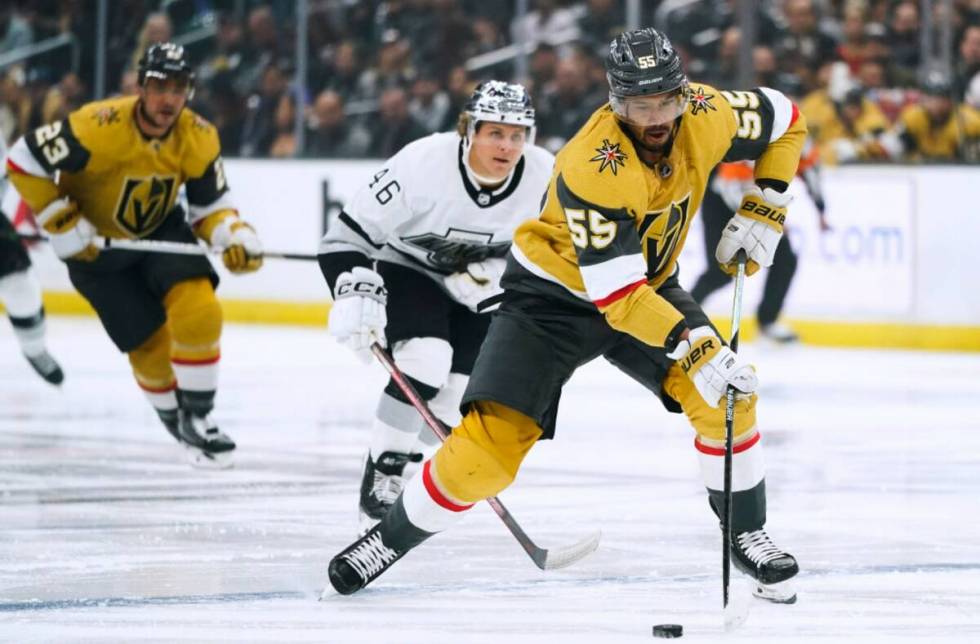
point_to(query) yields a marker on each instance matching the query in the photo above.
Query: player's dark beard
(659, 149)
(152, 121)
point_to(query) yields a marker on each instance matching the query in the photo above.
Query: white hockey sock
(427, 507)
(748, 465)
(396, 427)
(196, 375)
(161, 399)
(20, 293)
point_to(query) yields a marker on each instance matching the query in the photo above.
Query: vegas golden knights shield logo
(144, 203)
(661, 231)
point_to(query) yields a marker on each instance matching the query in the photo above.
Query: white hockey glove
(240, 246)
(756, 228)
(358, 315)
(72, 236)
(712, 366)
(479, 282)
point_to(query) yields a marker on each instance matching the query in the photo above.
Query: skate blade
(202, 460)
(781, 593)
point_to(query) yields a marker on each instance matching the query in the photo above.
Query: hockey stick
(726, 519)
(173, 247)
(545, 559)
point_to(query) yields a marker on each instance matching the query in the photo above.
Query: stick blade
(555, 558)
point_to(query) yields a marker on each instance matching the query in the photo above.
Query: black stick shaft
(726, 520)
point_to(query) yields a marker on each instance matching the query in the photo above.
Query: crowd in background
(381, 73)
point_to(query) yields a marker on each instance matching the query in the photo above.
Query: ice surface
(106, 535)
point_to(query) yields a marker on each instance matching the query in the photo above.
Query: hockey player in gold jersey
(113, 168)
(596, 275)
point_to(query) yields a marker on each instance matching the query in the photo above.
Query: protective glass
(646, 111)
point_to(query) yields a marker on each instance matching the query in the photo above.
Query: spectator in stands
(283, 144)
(329, 134)
(904, 41)
(129, 83)
(227, 57)
(395, 127)
(564, 106)
(392, 68)
(265, 48)
(156, 29)
(459, 88)
(429, 105)
(938, 129)
(345, 70)
(845, 125)
(548, 22)
(16, 29)
(259, 128)
(968, 64)
(542, 66)
(853, 47)
(804, 45)
(768, 74)
(601, 23)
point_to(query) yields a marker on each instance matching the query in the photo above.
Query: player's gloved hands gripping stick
(712, 366)
(241, 248)
(755, 228)
(71, 235)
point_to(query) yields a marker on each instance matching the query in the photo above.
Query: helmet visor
(646, 111)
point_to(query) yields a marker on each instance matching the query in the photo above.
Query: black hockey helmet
(643, 63)
(937, 83)
(164, 60)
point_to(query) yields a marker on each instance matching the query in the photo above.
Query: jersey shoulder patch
(202, 143)
(599, 164)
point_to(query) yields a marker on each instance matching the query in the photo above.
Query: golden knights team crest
(144, 203)
(610, 156)
(662, 231)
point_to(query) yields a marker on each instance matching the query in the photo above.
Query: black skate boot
(209, 447)
(381, 484)
(46, 367)
(170, 420)
(364, 560)
(754, 553)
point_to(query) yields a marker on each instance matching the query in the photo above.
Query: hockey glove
(358, 315)
(755, 228)
(712, 366)
(475, 286)
(71, 235)
(241, 248)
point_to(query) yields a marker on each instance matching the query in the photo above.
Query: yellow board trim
(868, 335)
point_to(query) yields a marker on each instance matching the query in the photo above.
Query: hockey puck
(668, 631)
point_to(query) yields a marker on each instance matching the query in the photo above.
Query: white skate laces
(371, 557)
(758, 547)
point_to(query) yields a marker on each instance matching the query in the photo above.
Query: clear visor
(646, 111)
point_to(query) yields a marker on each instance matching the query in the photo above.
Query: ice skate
(207, 446)
(46, 367)
(778, 333)
(771, 568)
(381, 484)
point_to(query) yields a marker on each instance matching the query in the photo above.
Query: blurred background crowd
(879, 80)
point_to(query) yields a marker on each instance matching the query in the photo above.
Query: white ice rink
(107, 536)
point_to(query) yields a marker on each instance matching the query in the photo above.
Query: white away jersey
(422, 210)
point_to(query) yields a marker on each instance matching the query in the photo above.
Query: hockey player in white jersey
(415, 260)
(20, 291)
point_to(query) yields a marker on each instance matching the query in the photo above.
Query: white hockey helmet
(500, 102)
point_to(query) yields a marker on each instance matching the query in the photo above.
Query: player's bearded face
(651, 118)
(496, 148)
(163, 99)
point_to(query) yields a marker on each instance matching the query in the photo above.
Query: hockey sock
(194, 317)
(151, 368)
(20, 293)
(748, 479)
(427, 506)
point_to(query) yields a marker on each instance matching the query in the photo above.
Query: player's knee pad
(426, 360)
(194, 316)
(482, 455)
(445, 405)
(151, 361)
(709, 422)
(20, 293)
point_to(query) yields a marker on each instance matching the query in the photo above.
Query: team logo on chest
(660, 232)
(106, 116)
(700, 102)
(456, 248)
(610, 156)
(144, 203)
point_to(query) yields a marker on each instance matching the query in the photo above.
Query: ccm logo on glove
(362, 288)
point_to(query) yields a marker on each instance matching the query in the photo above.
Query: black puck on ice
(668, 631)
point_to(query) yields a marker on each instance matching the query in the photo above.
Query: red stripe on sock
(720, 451)
(436, 495)
(191, 362)
(157, 390)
